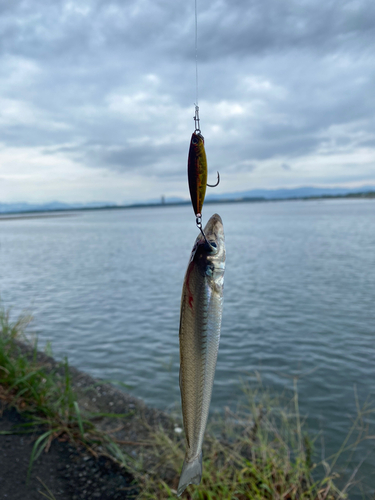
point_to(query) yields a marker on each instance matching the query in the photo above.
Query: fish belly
(200, 323)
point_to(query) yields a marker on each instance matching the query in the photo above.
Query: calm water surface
(104, 287)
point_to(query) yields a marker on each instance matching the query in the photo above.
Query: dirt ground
(68, 474)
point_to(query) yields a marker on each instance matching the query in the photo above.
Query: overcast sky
(97, 97)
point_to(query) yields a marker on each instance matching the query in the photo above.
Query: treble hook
(214, 185)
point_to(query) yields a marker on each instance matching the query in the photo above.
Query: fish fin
(191, 474)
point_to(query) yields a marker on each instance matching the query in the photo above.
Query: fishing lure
(197, 172)
(197, 169)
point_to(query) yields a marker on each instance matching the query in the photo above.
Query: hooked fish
(200, 324)
(197, 171)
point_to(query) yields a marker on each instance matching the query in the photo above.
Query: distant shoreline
(38, 215)
(67, 212)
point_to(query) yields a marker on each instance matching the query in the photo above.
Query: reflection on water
(105, 288)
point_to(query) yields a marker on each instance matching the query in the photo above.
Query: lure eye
(194, 140)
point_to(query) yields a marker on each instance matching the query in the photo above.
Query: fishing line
(196, 117)
(196, 51)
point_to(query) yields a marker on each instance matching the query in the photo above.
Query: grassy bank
(260, 452)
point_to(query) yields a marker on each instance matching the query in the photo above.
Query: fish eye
(211, 248)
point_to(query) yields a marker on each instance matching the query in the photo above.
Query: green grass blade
(37, 449)
(50, 495)
(80, 424)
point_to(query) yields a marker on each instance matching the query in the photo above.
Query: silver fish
(200, 324)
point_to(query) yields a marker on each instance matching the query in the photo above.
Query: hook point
(217, 183)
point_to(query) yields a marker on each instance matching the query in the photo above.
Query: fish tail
(191, 473)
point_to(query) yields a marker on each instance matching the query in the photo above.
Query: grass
(260, 452)
(266, 456)
(47, 493)
(45, 396)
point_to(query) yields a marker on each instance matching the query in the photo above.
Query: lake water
(104, 287)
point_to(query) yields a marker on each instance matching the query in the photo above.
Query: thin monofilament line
(196, 52)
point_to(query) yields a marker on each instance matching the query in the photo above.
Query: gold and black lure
(197, 168)
(197, 171)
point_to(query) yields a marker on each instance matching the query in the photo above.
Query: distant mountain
(302, 192)
(267, 194)
(47, 207)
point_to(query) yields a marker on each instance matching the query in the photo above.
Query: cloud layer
(97, 97)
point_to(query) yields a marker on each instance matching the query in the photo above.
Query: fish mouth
(214, 234)
(214, 229)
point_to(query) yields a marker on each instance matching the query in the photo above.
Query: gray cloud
(111, 84)
(145, 158)
(286, 167)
